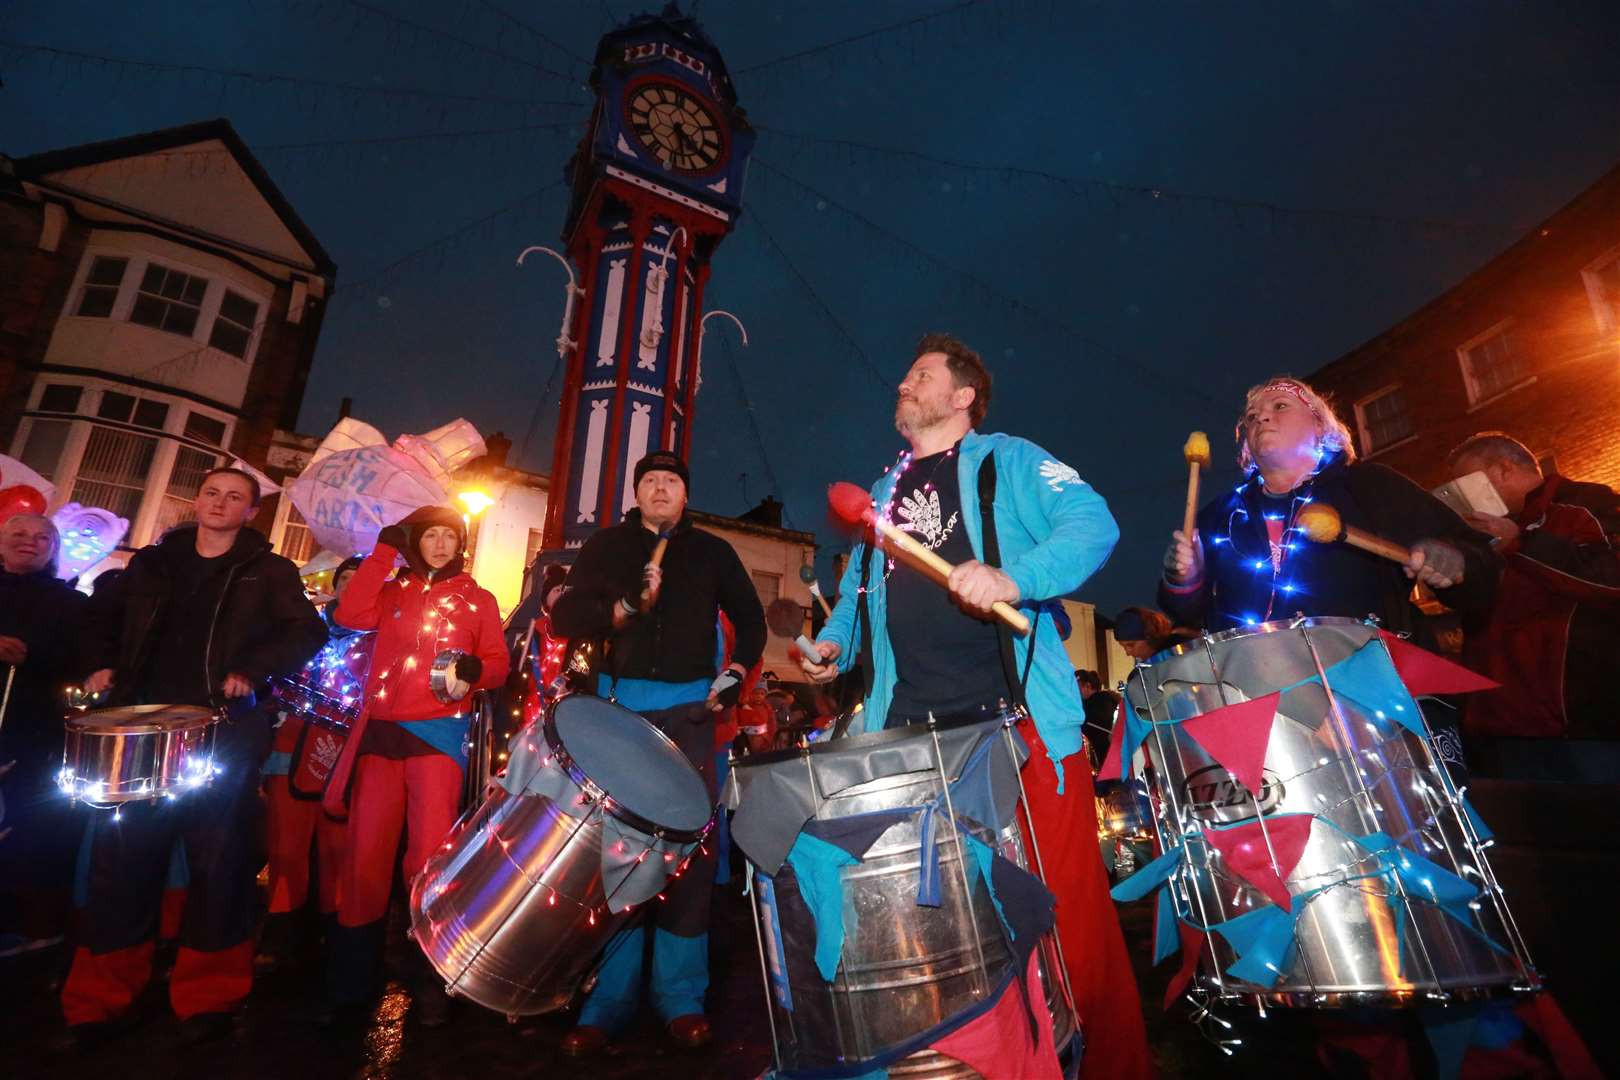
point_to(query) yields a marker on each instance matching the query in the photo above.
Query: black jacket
(1329, 579)
(677, 641)
(46, 614)
(262, 623)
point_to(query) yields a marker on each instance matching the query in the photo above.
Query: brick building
(160, 302)
(1528, 344)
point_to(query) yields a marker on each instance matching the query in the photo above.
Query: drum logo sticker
(775, 953)
(1215, 795)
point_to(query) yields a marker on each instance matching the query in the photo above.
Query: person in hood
(301, 759)
(663, 644)
(39, 644)
(403, 763)
(206, 616)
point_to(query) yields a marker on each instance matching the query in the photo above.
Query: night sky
(1322, 169)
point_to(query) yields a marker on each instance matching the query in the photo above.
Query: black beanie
(666, 460)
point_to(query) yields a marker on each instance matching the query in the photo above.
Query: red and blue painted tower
(657, 184)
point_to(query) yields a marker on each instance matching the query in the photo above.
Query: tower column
(629, 320)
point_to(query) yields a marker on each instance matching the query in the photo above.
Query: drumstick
(1197, 454)
(5, 702)
(658, 550)
(853, 505)
(1321, 523)
(807, 574)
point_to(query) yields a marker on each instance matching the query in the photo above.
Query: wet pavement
(276, 1036)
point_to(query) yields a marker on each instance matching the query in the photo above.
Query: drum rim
(84, 723)
(617, 809)
(1258, 629)
(869, 740)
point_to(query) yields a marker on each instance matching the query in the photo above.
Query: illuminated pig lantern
(356, 483)
(89, 534)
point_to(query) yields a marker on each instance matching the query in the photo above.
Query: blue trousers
(680, 924)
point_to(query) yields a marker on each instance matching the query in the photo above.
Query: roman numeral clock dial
(676, 128)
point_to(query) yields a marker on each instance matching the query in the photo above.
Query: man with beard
(927, 652)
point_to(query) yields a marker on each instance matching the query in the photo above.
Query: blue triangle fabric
(1449, 1031)
(928, 854)
(1145, 880)
(1424, 879)
(1262, 938)
(818, 867)
(1368, 678)
(857, 833)
(1136, 732)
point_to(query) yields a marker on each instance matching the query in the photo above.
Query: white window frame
(1464, 363)
(1605, 305)
(170, 437)
(279, 522)
(207, 313)
(1368, 450)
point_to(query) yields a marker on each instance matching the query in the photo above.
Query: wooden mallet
(1197, 454)
(1322, 524)
(850, 504)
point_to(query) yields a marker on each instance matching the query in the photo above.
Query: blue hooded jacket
(1055, 531)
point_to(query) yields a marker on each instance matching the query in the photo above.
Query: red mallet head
(849, 503)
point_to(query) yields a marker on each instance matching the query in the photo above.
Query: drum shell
(1358, 944)
(906, 968)
(482, 909)
(139, 764)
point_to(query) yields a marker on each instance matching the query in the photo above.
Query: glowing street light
(475, 501)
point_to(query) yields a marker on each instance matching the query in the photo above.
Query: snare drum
(137, 752)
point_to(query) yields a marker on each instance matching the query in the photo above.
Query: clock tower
(657, 184)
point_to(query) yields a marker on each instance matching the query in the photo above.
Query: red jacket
(1554, 630)
(414, 623)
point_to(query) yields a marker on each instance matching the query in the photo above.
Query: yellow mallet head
(1197, 450)
(1320, 522)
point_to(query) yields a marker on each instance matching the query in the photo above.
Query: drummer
(1247, 564)
(206, 616)
(925, 651)
(661, 628)
(403, 764)
(293, 819)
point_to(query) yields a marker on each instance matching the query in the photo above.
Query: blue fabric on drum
(818, 866)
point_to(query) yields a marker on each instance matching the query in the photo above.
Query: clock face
(676, 128)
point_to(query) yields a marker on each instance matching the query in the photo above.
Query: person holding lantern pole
(402, 765)
(652, 587)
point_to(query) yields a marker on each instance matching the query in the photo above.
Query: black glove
(468, 668)
(726, 688)
(394, 536)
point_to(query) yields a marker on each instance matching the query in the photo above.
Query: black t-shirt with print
(947, 662)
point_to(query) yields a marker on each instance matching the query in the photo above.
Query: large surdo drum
(597, 811)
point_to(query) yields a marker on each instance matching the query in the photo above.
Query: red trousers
(292, 824)
(419, 794)
(1100, 974)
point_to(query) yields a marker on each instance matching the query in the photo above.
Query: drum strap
(863, 622)
(1016, 684)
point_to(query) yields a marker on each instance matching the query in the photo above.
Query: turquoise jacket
(1055, 532)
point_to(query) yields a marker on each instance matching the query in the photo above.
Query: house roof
(43, 167)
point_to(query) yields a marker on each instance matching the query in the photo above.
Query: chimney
(496, 447)
(345, 407)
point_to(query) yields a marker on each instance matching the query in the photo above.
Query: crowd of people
(210, 617)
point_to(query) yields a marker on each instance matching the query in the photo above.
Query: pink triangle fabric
(1111, 765)
(1237, 737)
(1244, 848)
(997, 1044)
(1425, 673)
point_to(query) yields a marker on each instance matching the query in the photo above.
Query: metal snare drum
(905, 968)
(596, 812)
(1334, 752)
(137, 752)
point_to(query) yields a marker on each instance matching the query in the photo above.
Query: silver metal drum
(598, 810)
(137, 752)
(905, 968)
(1360, 940)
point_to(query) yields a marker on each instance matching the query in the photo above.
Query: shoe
(430, 1006)
(345, 1016)
(691, 1031)
(84, 1038)
(206, 1027)
(584, 1041)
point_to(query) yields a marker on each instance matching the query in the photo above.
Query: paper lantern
(89, 534)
